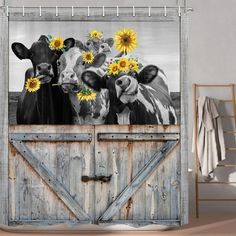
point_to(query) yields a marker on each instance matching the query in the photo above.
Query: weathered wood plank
(137, 136)
(51, 180)
(3, 118)
(184, 86)
(45, 222)
(140, 223)
(51, 137)
(138, 180)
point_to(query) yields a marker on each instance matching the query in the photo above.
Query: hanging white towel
(210, 136)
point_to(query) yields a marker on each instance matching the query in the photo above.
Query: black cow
(49, 105)
(132, 100)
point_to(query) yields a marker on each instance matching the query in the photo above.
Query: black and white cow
(70, 67)
(133, 100)
(48, 105)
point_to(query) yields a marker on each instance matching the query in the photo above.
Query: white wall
(212, 59)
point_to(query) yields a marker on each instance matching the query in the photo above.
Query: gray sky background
(158, 44)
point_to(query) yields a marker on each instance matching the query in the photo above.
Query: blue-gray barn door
(94, 174)
(144, 162)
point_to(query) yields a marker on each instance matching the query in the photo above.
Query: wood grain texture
(125, 159)
(3, 118)
(51, 137)
(137, 181)
(61, 159)
(184, 87)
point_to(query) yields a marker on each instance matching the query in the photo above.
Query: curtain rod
(99, 7)
(179, 8)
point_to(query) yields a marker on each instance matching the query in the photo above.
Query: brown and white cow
(70, 67)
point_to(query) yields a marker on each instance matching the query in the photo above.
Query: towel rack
(197, 182)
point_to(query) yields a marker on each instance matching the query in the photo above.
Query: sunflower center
(88, 57)
(122, 64)
(57, 43)
(115, 68)
(126, 39)
(32, 84)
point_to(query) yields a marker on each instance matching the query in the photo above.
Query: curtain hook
(88, 11)
(179, 10)
(133, 10)
(56, 10)
(165, 11)
(23, 10)
(103, 11)
(117, 10)
(7, 11)
(40, 11)
(72, 11)
(149, 11)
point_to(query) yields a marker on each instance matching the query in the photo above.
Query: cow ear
(93, 80)
(21, 51)
(69, 43)
(109, 41)
(43, 38)
(99, 60)
(147, 74)
(80, 45)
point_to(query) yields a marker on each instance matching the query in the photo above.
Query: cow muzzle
(44, 72)
(68, 81)
(126, 89)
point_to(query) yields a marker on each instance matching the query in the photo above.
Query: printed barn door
(144, 162)
(75, 175)
(45, 168)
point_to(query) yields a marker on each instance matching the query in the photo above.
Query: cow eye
(102, 46)
(58, 63)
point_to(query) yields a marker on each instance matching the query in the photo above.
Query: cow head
(123, 87)
(96, 46)
(71, 66)
(42, 57)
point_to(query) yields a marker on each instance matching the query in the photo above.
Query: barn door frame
(49, 15)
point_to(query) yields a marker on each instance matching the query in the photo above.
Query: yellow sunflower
(86, 95)
(56, 43)
(94, 34)
(126, 40)
(32, 84)
(88, 57)
(123, 64)
(133, 65)
(113, 69)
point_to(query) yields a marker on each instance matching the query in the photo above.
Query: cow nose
(123, 82)
(68, 75)
(44, 68)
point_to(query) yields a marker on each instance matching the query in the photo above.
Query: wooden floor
(206, 225)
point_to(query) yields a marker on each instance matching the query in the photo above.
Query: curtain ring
(165, 11)
(149, 11)
(88, 11)
(72, 11)
(23, 10)
(103, 11)
(56, 10)
(133, 11)
(179, 10)
(7, 11)
(40, 11)
(117, 11)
